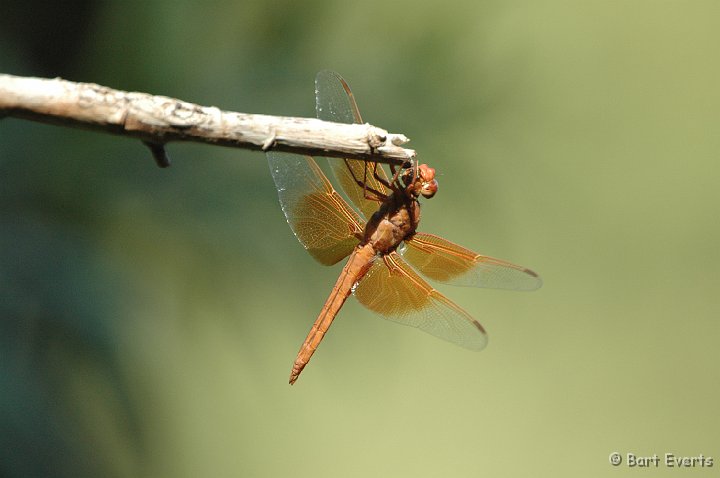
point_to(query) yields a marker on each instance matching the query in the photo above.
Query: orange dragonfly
(382, 248)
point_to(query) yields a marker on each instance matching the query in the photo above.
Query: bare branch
(157, 120)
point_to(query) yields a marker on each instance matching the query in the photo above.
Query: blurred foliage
(149, 318)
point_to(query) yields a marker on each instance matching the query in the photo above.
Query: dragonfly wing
(322, 221)
(335, 102)
(444, 261)
(392, 289)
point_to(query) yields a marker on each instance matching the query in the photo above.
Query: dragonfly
(386, 254)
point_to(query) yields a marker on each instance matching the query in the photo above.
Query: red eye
(426, 172)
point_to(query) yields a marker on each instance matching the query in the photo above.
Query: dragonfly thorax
(397, 219)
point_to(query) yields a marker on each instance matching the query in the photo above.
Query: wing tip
(484, 342)
(534, 285)
(481, 343)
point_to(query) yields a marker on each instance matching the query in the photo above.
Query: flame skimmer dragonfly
(379, 276)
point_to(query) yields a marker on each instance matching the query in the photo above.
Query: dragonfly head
(420, 181)
(427, 182)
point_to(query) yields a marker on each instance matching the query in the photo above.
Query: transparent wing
(392, 289)
(335, 102)
(444, 261)
(322, 221)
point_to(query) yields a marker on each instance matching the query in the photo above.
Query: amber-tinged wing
(392, 289)
(443, 261)
(322, 221)
(335, 102)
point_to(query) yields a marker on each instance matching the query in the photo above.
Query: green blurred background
(150, 317)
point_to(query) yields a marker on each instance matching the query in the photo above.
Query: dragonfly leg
(368, 192)
(396, 174)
